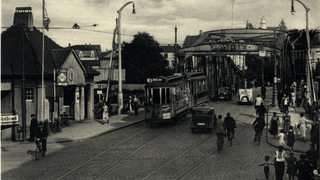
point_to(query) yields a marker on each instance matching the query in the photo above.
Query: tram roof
(196, 75)
(168, 81)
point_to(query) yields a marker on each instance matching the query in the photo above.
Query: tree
(142, 59)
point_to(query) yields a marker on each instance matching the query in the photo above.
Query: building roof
(190, 40)
(169, 48)
(19, 44)
(315, 42)
(86, 47)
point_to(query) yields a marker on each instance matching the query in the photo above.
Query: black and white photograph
(160, 89)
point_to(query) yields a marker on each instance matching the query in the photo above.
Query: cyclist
(41, 136)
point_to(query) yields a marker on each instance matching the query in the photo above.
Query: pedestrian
(279, 98)
(299, 98)
(281, 136)
(266, 166)
(130, 105)
(314, 134)
(274, 125)
(42, 135)
(33, 127)
(280, 157)
(105, 113)
(258, 125)
(293, 99)
(285, 102)
(263, 92)
(304, 169)
(258, 102)
(302, 126)
(286, 122)
(290, 138)
(261, 110)
(312, 156)
(136, 104)
(230, 125)
(220, 129)
(291, 166)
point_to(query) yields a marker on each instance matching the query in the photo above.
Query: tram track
(100, 154)
(190, 171)
(106, 169)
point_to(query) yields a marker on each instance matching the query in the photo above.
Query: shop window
(29, 94)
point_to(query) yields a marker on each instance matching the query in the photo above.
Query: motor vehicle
(245, 96)
(202, 118)
(224, 93)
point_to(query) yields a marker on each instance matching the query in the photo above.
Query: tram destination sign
(9, 120)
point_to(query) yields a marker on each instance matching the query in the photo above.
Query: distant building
(168, 52)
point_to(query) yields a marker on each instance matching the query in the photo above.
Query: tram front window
(156, 96)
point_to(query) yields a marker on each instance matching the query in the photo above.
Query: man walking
(220, 130)
(230, 124)
(33, 127)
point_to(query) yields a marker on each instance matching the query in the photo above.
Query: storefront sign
(62, 78)
(9, 120)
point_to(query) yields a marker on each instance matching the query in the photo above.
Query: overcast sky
(157, 17)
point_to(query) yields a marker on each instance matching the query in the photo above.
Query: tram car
(167, 98)
(199, 88)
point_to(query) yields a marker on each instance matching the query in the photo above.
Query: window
(92, 54)
(80, 54)
(29, 94)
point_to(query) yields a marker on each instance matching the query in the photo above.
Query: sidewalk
(13, 154)
(294, 113)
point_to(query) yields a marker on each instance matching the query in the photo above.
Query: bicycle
(38, 152)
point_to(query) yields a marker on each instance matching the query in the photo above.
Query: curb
(97, 135)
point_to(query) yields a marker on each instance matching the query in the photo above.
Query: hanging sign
(62, 78)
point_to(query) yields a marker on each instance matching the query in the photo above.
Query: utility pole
(175, 49)
(275, 78)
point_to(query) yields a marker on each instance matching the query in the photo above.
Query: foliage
(142, 59)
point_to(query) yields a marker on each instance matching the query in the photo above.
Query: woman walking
(258, 126)
(274, 125)
(302, 128)
(279, 165)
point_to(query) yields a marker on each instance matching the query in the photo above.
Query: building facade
(64, 85)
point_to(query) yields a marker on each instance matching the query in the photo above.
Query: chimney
(23, 16)
(200, 31)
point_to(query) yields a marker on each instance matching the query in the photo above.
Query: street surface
(162, 152)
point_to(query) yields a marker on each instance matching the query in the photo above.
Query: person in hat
(42, 135)
(33, 127)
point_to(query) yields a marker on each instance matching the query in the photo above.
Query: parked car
(202, 118)
(224, 93)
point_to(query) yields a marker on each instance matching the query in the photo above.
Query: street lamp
(120, 95)
(310, 88)
(308, 67)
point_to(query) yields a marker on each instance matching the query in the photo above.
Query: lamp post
(310, 88)
(310, 85)
(120, 95)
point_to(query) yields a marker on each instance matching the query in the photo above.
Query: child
(291, 166)
(281, 137)
(266, 166)
(290, 138)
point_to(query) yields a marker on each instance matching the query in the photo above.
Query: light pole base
(120, 102)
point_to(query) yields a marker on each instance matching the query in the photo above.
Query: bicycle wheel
(37, 154)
